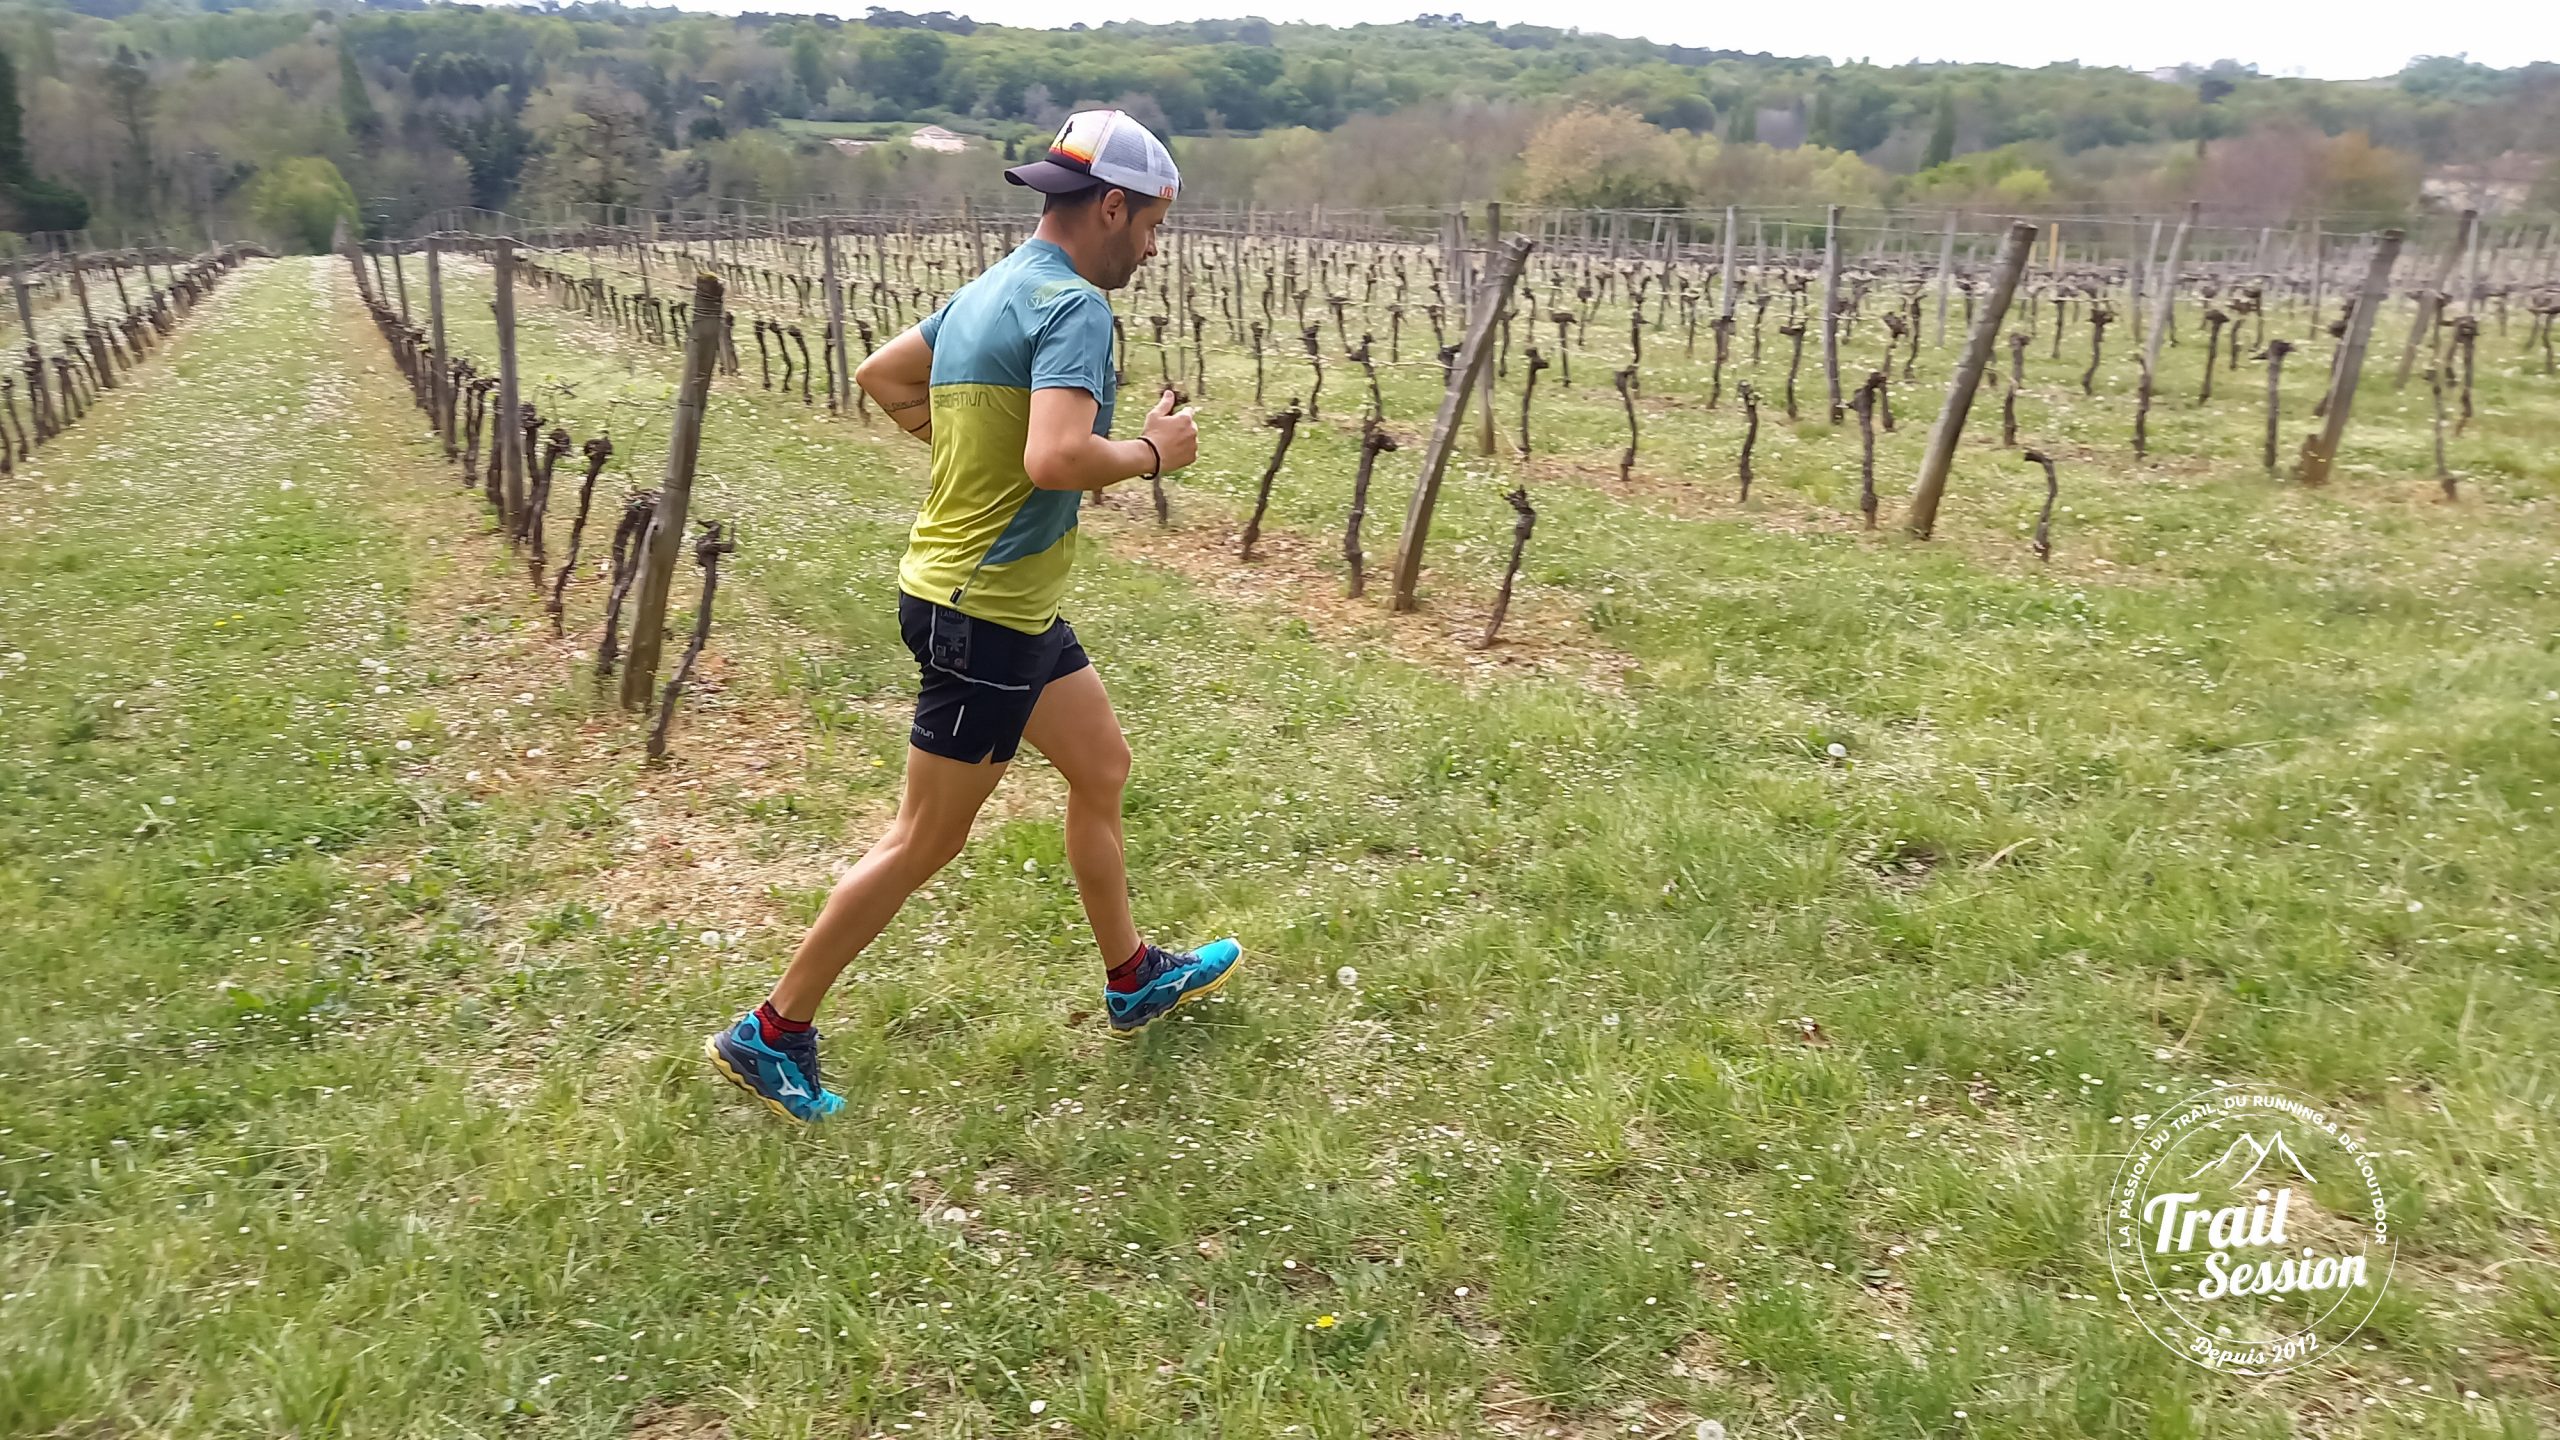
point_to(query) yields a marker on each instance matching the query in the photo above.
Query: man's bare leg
(1075, 727)
(941, 802)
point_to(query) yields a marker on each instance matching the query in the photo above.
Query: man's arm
(1063, 453)
(899, 377)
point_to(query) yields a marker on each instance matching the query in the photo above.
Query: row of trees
(172, 114)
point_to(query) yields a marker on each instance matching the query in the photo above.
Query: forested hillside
(274, 120)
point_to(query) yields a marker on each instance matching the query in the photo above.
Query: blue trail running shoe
(1167, 981)
(783, 1072)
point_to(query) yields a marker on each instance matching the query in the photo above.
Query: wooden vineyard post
(1987, 317)
(2319, 271)
(1831, 308)
(2133, 289)
(1472, 352)
(1724, 305)
(510, 436)
(1946, 264)
(27, 327)
(2429, 305)
(435, 329)
(664, 539)
(399, 280)
(2320, 451)
(839, 379)
(89, 323)
(1484, 406)
(2143, 277)
(26, 307)
(2167, 302)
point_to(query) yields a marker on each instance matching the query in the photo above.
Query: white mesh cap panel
(1116, 148)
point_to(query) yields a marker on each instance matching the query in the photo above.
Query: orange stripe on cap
(1076, 148)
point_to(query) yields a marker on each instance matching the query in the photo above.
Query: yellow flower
(1324, 1322)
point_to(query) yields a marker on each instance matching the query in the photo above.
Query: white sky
(2332, 39)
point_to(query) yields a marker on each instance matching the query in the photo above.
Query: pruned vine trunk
(707, 551)
(2277, 349)
(1286, 422)
(2044, 519)
(1626, 382)
(1525, 521)
(1750, 433)
(1374, 441)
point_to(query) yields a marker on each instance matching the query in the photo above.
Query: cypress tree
(27, 203)
(363, 121)
(1942, 138)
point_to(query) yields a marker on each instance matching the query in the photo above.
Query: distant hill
(165, 112)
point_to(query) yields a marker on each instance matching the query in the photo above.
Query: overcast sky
(2333, 39)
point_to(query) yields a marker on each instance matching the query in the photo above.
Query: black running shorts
(979, 679)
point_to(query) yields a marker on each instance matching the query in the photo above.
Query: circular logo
(2247, 1230)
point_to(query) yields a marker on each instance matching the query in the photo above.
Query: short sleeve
(931, 325)
(1073, 349)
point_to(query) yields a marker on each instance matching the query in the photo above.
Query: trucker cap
(1102, 147)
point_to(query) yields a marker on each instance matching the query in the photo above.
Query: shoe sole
(711, 1052)
(1134, 1031)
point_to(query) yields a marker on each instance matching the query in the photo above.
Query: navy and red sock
(774, 1024)
(1122, 978)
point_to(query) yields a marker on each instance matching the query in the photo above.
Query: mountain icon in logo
(2254, 1154)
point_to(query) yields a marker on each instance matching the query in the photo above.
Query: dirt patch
(518, 710)
(1540, 636)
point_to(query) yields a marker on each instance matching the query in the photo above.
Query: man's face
(1129, 235)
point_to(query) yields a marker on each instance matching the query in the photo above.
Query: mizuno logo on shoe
(792, 1088)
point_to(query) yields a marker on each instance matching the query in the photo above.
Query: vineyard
(1753, 751)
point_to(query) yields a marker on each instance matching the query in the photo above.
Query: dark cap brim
(1051, 178)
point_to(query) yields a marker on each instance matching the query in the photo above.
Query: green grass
(351, 1089)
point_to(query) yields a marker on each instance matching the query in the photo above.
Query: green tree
(809, 67)
(300, 201)
(355, 102)
(493, 142)
(27, 203)
(906, 68)
(14, 166)
(594, 147)
(128, 88)
(1746, 122)
(2024, 187)
(1942, 136)
(1608, 158)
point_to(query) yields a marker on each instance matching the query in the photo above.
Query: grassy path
(349, 1090)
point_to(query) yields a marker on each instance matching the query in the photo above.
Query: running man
(1011, 385)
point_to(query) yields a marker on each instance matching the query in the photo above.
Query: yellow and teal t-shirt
(988, 542)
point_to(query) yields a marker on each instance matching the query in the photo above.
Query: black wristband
(1152, 450)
